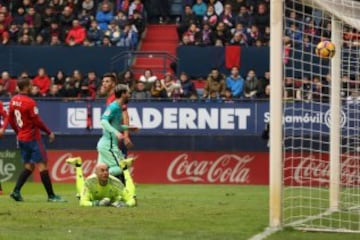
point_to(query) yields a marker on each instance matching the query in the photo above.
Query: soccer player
(25, 120)
(108, 150)
(102, 189)
(5, 120)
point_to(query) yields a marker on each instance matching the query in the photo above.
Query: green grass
(164, 212)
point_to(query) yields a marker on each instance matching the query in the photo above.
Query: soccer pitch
(164, 212)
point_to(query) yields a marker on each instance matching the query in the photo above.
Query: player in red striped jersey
(25, 120)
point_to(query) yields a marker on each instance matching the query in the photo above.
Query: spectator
(66, 18)
(25, 40)
(55, 41)
(85, 91)
(48, 17)
(4, 35)
(85, 18)
(76, 35)
(199, 9)
(59, 79)
(187, 89)
(289, 91)
(13, 33)
(235, 83)
(218, 6)
(294, 33)
(89, 6)
(253, 35)
(70, 90)
(305, 90)
(40, 6)
(138, 22)
(106, 42)
(158, 90)
(263, 82)
(104, 16)
(42, 81)
(266, 93)
(33, 19)
(227, 17)
(215, 85)
(113, 33)
(92, 82)
(121, 19)
(243, 17)
(148, 78)
(129, 37)
(54, 91)
(221, 33)
(204, 37)
(94, 34)
(53, 30)
(26, 30)
(262, 18)
(251, 85)
(77, 78)
(238, 39)
(140, 92)
(5, 17)
(127, 78)
(163, 10)
(171, 86)
(35, 92)
(3, 92)
(266, 37)
(210, 17)
(354, 97)
(136, 5)
(191, 33)
(228, 97)
(39, 40)
(187, 19)
(185, 41)
(8, 83)
(19, 17)
(57, 5)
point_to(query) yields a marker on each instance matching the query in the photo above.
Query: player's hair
(23, 82)
(110, 75)
(120, 89)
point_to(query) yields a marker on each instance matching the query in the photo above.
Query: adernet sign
(213, 167)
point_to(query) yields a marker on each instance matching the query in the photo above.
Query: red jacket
(43, 83)
(4, 116)
(9, 85)
(77, 34)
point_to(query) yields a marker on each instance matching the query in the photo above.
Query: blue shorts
(33, 151)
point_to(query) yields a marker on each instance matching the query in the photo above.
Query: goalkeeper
(102, 189)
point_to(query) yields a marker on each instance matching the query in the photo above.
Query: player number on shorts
(19, 121)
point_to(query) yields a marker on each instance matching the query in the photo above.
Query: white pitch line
(264, 234)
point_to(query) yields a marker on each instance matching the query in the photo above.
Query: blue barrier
(16, 59)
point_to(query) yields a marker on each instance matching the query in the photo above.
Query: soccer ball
(325, 49)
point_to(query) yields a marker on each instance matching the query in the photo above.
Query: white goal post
(315, 116)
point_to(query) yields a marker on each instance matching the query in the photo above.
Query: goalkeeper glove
(118, 204)
(105, 202)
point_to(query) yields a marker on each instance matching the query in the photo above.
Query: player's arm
(126, 121)
(12, 120)
(5, 117)
(34, 115)
(105, 122)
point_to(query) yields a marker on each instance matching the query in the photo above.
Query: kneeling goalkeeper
(102, 189)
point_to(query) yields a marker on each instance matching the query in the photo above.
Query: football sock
(22, 179)
(130, 186)
(79, 179)
(121, 178)
(45, 179)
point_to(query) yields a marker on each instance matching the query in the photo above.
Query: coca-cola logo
(61, 171)
(312, 169)
(228, 168)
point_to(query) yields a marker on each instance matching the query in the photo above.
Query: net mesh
(307, 85)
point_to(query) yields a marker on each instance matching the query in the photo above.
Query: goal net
(321, 116)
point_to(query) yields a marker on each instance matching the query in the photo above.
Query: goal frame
(276, 158)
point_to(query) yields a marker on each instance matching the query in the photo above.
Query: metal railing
(128, 59)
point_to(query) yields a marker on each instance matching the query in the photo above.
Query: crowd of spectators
(71, 22)
(76, 86)
(220, 23)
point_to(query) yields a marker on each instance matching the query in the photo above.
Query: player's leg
(39, 156)
(77, 162)
(25, 151)
(129, 193)
(109, 157)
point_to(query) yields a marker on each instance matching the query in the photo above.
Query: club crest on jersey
(36, 110)
(107, 113)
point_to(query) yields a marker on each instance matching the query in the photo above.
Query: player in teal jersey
(102, 189)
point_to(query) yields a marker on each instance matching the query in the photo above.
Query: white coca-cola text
(228, 168)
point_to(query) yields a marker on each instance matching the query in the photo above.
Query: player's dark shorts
(33, 151)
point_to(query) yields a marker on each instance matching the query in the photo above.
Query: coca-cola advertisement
(300, 169)
(173, 167)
